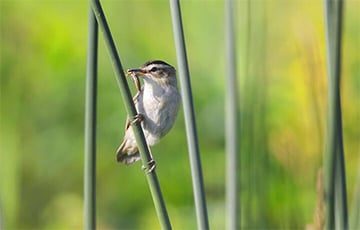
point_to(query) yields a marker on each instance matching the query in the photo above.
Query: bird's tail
(127, 154)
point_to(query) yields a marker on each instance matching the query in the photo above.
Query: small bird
(157, 103)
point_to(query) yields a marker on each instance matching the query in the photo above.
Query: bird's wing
(135, 100)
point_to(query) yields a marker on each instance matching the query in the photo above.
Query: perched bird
(157, 103)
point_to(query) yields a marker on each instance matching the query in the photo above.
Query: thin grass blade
(231, 122)
(190, 124)
(335, 178)
(131, 111)
(90, 126)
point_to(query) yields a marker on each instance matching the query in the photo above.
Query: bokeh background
(283, 94)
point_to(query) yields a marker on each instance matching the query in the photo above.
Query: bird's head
(157, 71)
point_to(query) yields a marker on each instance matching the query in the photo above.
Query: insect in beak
(138, 72)
(134, 74)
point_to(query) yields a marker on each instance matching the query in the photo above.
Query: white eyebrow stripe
(160, 66)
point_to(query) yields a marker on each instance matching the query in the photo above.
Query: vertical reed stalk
(335, 181)
(131, 111)
(231, 122)
(191, 133)
(90, 126)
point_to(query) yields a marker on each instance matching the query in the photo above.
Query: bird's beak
(138, 72)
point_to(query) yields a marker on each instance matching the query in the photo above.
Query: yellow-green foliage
(283, 103)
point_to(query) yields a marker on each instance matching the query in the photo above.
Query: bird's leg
(137, 119)
(150, 165)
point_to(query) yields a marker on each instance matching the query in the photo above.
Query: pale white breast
(159, 107)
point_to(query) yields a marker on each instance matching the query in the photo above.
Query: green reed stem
(191, 133)
(231, 122)
(335, 178)
(131, 111)
(90, 126)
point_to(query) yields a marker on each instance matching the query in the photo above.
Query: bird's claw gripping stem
(150, 166)
(137, 119)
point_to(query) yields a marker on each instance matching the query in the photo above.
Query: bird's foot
(150, 166)
(138, 118)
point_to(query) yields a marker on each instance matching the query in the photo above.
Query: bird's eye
(153, 69)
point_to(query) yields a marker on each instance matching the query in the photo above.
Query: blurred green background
(282, 70)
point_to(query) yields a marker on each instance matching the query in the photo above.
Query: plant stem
(335, 178)
(90, 126)
(131, 111)
(232, 121)
(191, 133)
